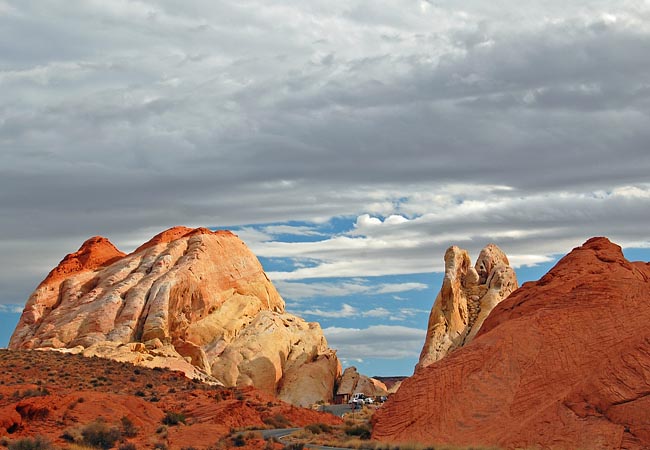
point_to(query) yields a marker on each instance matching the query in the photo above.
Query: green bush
(318, 428)
(294, 446)
(277, 421)
(99, 434)
(239, 441)
(37, 443)
(127, 446)
(173, 418)
(361, 431)
(128, 429)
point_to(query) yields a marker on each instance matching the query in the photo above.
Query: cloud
(292, 230)
(530, 229)
(348, 311)
(487, 122)
(381, 341)
(12, 309)
(345, 311)
(300, 291)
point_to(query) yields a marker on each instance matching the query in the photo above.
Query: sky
(349, 143)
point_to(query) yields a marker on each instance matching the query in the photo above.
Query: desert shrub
(318, 428)
(72, 435)
(99, 434)
(239, 441)
(39, 392)
(128, 428)
(37, 443)
(294, 446)
(361, 431)
(173, 418)
(127, 446)
(277, 421)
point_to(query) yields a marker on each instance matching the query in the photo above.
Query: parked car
(369, 401)
(357, 399)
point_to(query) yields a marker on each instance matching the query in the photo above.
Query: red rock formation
(562, 363)
(93, 254)
(189, 299)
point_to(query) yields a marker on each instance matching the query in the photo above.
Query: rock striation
(562, 363)
(467, 297)
(353, 382)
(189, 299)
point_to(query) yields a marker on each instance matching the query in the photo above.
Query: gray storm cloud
(121, 118)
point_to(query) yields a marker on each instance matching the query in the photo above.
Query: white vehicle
(369, 401)
(357, 399)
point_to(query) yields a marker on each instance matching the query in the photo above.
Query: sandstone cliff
(562, 363)
(189, 299)
(467, 296)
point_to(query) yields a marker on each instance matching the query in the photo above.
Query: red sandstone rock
(93, 254)
(562, 363)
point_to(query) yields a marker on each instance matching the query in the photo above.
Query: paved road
(278, 433)
(337, 410)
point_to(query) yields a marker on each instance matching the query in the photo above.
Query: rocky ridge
(189, 299)
(466, 298)
(562, 363)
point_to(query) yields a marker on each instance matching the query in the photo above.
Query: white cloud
(530, 228)
(128, 117)
(292, 230)
(348, 311)
(391, 288)
(299, 291)
(376, 312)
(381, 341)
(13, 309)
(345, 311)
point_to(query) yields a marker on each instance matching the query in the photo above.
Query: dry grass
(355, 433)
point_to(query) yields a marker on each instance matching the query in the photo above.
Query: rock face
(562, 363)
(189, 299)
(467, 296)
(353, 382)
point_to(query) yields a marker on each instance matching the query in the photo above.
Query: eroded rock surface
(189, 299)
(353, 382)
(467, 297)
(562, 363)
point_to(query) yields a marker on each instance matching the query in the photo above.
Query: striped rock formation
(189, 299)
